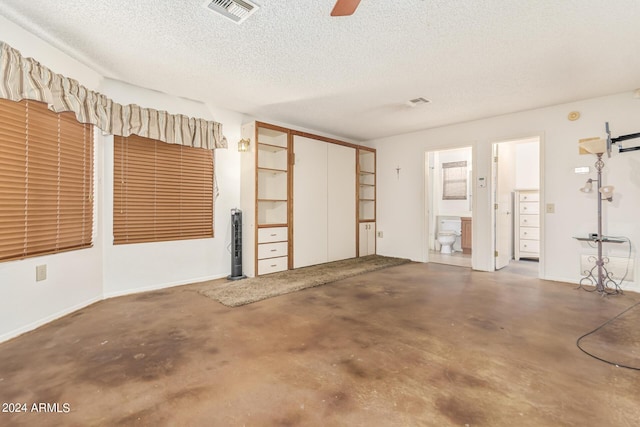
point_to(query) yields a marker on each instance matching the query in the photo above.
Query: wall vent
(235, 10)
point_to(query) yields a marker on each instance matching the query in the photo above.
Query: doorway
(516, 201)
(449, 206)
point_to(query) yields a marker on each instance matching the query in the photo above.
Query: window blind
(46, 181)
(161, 191)
(454, 180)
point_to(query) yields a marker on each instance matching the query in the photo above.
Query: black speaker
(236, 245)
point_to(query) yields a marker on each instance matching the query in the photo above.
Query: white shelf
(272, 211)
(270, 148)
(272, 137)
(366, 186)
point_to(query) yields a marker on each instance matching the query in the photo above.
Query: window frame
(454, 180)
(46, 181)
(161, 192)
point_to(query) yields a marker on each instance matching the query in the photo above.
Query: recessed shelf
(272, 225)
(273, 170)
(272, 200)
(367, 185)
(270, 147)
(366, 172)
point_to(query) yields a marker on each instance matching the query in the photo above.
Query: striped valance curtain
(25, 78)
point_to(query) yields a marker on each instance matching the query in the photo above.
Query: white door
(504, 167)
(309, 202)
(341, 203)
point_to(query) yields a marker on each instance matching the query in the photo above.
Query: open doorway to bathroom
(449, 206)
(516, 201)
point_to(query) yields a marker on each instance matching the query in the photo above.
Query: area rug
(241, 292)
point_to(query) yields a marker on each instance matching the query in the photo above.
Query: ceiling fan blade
(345, 7)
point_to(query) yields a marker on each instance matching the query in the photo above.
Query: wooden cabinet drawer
(530, 208)
(529, 197)
(529, 233)
(272, 265)
(529, 221)
(272, 250)
(529, 246)
(270, 235)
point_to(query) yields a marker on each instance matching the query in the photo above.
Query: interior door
(504, 167)
(309, 202)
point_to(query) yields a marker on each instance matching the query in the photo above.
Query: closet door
(309, 202)
(341, 203)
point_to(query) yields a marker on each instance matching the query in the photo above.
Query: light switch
(551, 208)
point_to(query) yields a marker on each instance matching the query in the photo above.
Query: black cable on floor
(618, 365)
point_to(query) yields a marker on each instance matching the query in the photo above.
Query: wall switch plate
(380, 234)
(41, 272)
(551, 208)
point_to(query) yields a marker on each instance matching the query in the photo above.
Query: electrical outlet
(380, 234)
(41, 272)
(551, 208)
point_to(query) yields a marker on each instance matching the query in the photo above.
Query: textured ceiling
(351, 76)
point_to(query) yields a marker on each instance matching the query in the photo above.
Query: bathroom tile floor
(457, 258)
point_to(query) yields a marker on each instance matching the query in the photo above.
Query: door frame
(427, 197)
(541, 162)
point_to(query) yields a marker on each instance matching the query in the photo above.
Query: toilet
(448, 231)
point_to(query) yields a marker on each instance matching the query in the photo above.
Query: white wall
(144, 266)
(74, 279)
(78, 278)
(527, 163)
(401, 212)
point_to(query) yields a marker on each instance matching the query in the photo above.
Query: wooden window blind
(161, 191)
(454, 181)
(46, 181)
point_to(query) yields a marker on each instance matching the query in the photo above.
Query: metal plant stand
(598, 275)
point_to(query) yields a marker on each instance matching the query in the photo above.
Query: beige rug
(241, 292)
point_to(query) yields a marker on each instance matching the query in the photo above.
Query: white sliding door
(341, 203)
(309, 202)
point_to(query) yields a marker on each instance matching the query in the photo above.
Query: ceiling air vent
(417, 101)
(235, 10)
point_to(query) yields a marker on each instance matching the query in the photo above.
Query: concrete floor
(414, 345)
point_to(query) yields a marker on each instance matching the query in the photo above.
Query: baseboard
(34, 325)
(162, 286)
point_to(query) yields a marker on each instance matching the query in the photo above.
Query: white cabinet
(324, 201)
(310, 207)
(366, 201)
(265, 199)
(341, 202)
(367, 239)
(527, 224)
(303, 197)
